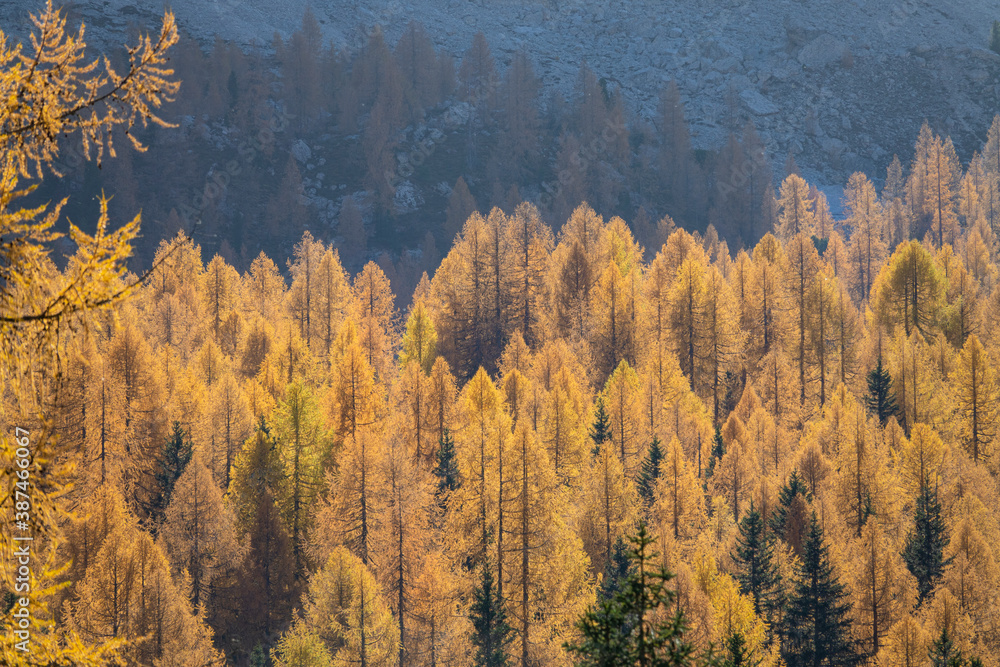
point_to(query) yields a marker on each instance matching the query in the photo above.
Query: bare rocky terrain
(841, 84)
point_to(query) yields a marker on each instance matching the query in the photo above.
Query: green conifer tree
(880, 400)
(600, 432)
(649, 473)
(617, 570)
(177, 452)
(756, 569)
(738, 654)
(627, 630)
(491, 634)
(446, 469)
(795, 486)
(718, 450)
(818, 623)
(925, 545)
(943, 652)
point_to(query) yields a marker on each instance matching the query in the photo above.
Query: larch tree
(417, 62)
(529, 244)
(219, 291)
(975, 382)
(920, 459)
(350, 514)
(575, 266)
(267, 572)
(905, 644)
(302, 443)
(563, 429)
(733, 476)
(518, 119)
(679, 501)
(345, 619)
(461, 204)
(676, 157)
(767, 298)
(796, 213)
(620, 398)
(404, 535)
(860, 484)
(331, 301)
(613, 332)
(478, 507)
(301, 296)
(974, 573)
(723, 337)
(937, 166)
(355, 398)
(263, 286)
(800, 271)
(884, 591)
(865, 216)
(419, 339)
(230, 423)
(131, 368)
(609, 506)
(909, 289)
(548, 566)
(376, 317)
(199, 530)
(687, 318)
(127, 594)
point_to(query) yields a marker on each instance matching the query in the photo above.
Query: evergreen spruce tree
(177, 451)
(616, 573)
(943, 652)
(925, 545)
(795, 486)
(446, 469)
(738, 654)
(756, 570)
(491, 634)
(618, 569)
(649, 473)
(600, 432)
(257, 657)
(881, 401)
(818, 622)
(718, 450)
(626, 630)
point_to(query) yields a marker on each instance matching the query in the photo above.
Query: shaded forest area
(295, 470)
(328, 479)
(388, 148)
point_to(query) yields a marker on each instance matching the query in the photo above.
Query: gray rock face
(757, 103)
(822, 51)
(300, 151)
(783, 57)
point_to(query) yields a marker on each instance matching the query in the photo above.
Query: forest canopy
(309, 467)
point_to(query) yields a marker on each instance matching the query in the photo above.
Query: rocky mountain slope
(841, 84)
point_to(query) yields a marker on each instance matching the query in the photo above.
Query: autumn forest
(285, 460)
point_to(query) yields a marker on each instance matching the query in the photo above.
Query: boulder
(757, 103)
(821, 52)
(300, 151)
